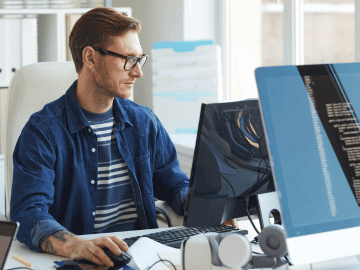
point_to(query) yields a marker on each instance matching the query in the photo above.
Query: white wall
(168, 20)
(200, 20)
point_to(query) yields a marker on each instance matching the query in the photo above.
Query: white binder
(12, 47)
(2, 53)
(18, 45)
(29, 44)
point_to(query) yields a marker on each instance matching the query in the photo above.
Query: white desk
(43, 261)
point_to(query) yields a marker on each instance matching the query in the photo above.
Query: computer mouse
(121, 260)
(69, 267)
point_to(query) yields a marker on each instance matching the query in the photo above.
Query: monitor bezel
(8, 229)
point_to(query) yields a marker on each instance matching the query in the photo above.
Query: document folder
(185, 74)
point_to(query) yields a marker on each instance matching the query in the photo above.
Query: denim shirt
(55, 160)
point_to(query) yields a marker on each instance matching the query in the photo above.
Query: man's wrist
(60, 243)
(71, 245)
(43, 230)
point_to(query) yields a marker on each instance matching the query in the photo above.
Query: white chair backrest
(30, 89)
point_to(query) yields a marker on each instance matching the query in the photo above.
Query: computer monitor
(310, 114)
(8, 232)
(230, 164)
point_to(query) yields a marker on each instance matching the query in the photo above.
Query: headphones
(214, 251)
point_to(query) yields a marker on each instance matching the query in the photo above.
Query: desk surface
(44, 261)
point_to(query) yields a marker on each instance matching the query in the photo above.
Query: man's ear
(89, 58)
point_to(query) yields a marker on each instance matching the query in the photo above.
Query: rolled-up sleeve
(42, 231)
(33, 188)
(179, 201)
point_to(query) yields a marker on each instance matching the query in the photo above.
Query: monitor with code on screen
(312, 128)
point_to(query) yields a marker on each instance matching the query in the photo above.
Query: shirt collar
(77, 119)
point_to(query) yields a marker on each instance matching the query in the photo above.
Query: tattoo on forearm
(60, 235)
(49, 247)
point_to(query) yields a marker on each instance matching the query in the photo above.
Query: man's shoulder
(141, 118)
(50, 112)
(134, 111)
(131, 105)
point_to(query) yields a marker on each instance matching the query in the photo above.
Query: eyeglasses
(130, 62)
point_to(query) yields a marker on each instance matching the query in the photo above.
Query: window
(286, 32)
(244, 47)
(329, 31)
(272, 31)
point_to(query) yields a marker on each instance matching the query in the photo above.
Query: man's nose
(137, 71)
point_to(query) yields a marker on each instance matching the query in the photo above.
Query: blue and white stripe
(115, 209)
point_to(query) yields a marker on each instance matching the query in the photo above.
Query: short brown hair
(96, 28)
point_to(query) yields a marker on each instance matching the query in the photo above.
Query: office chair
(30, 89)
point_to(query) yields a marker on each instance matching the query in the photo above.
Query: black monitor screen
(230, 163)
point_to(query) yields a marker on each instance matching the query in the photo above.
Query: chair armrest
(173, 219)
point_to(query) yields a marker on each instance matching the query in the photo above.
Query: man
(93, 161)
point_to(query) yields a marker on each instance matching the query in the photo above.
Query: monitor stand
(269, 205)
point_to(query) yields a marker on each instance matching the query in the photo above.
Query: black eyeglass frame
(138, 59)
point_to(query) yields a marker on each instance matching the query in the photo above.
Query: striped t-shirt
(115, 210)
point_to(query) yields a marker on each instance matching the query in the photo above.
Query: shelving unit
(51, 39)
(51, 26)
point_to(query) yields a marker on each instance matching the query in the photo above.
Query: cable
(287, 260)
(161, 260)
(263, 158)
(223, 177)
(255, 240)
(248, 214)
(222, 113)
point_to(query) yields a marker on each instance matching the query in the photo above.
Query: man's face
(111, 79)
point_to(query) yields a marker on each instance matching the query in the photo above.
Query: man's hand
(231, 222)
(66, 244)
(92, 249)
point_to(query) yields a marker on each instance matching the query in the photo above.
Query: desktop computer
(313, 135)
(230, 164)
(230, 173)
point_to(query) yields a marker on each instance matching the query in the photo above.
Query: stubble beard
(105, 90)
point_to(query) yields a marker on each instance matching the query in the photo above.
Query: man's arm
(232, 222)
(32, 188)
(67, 244)
(170, 182)
(179, 201)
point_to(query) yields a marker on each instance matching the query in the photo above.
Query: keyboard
(173, 238)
